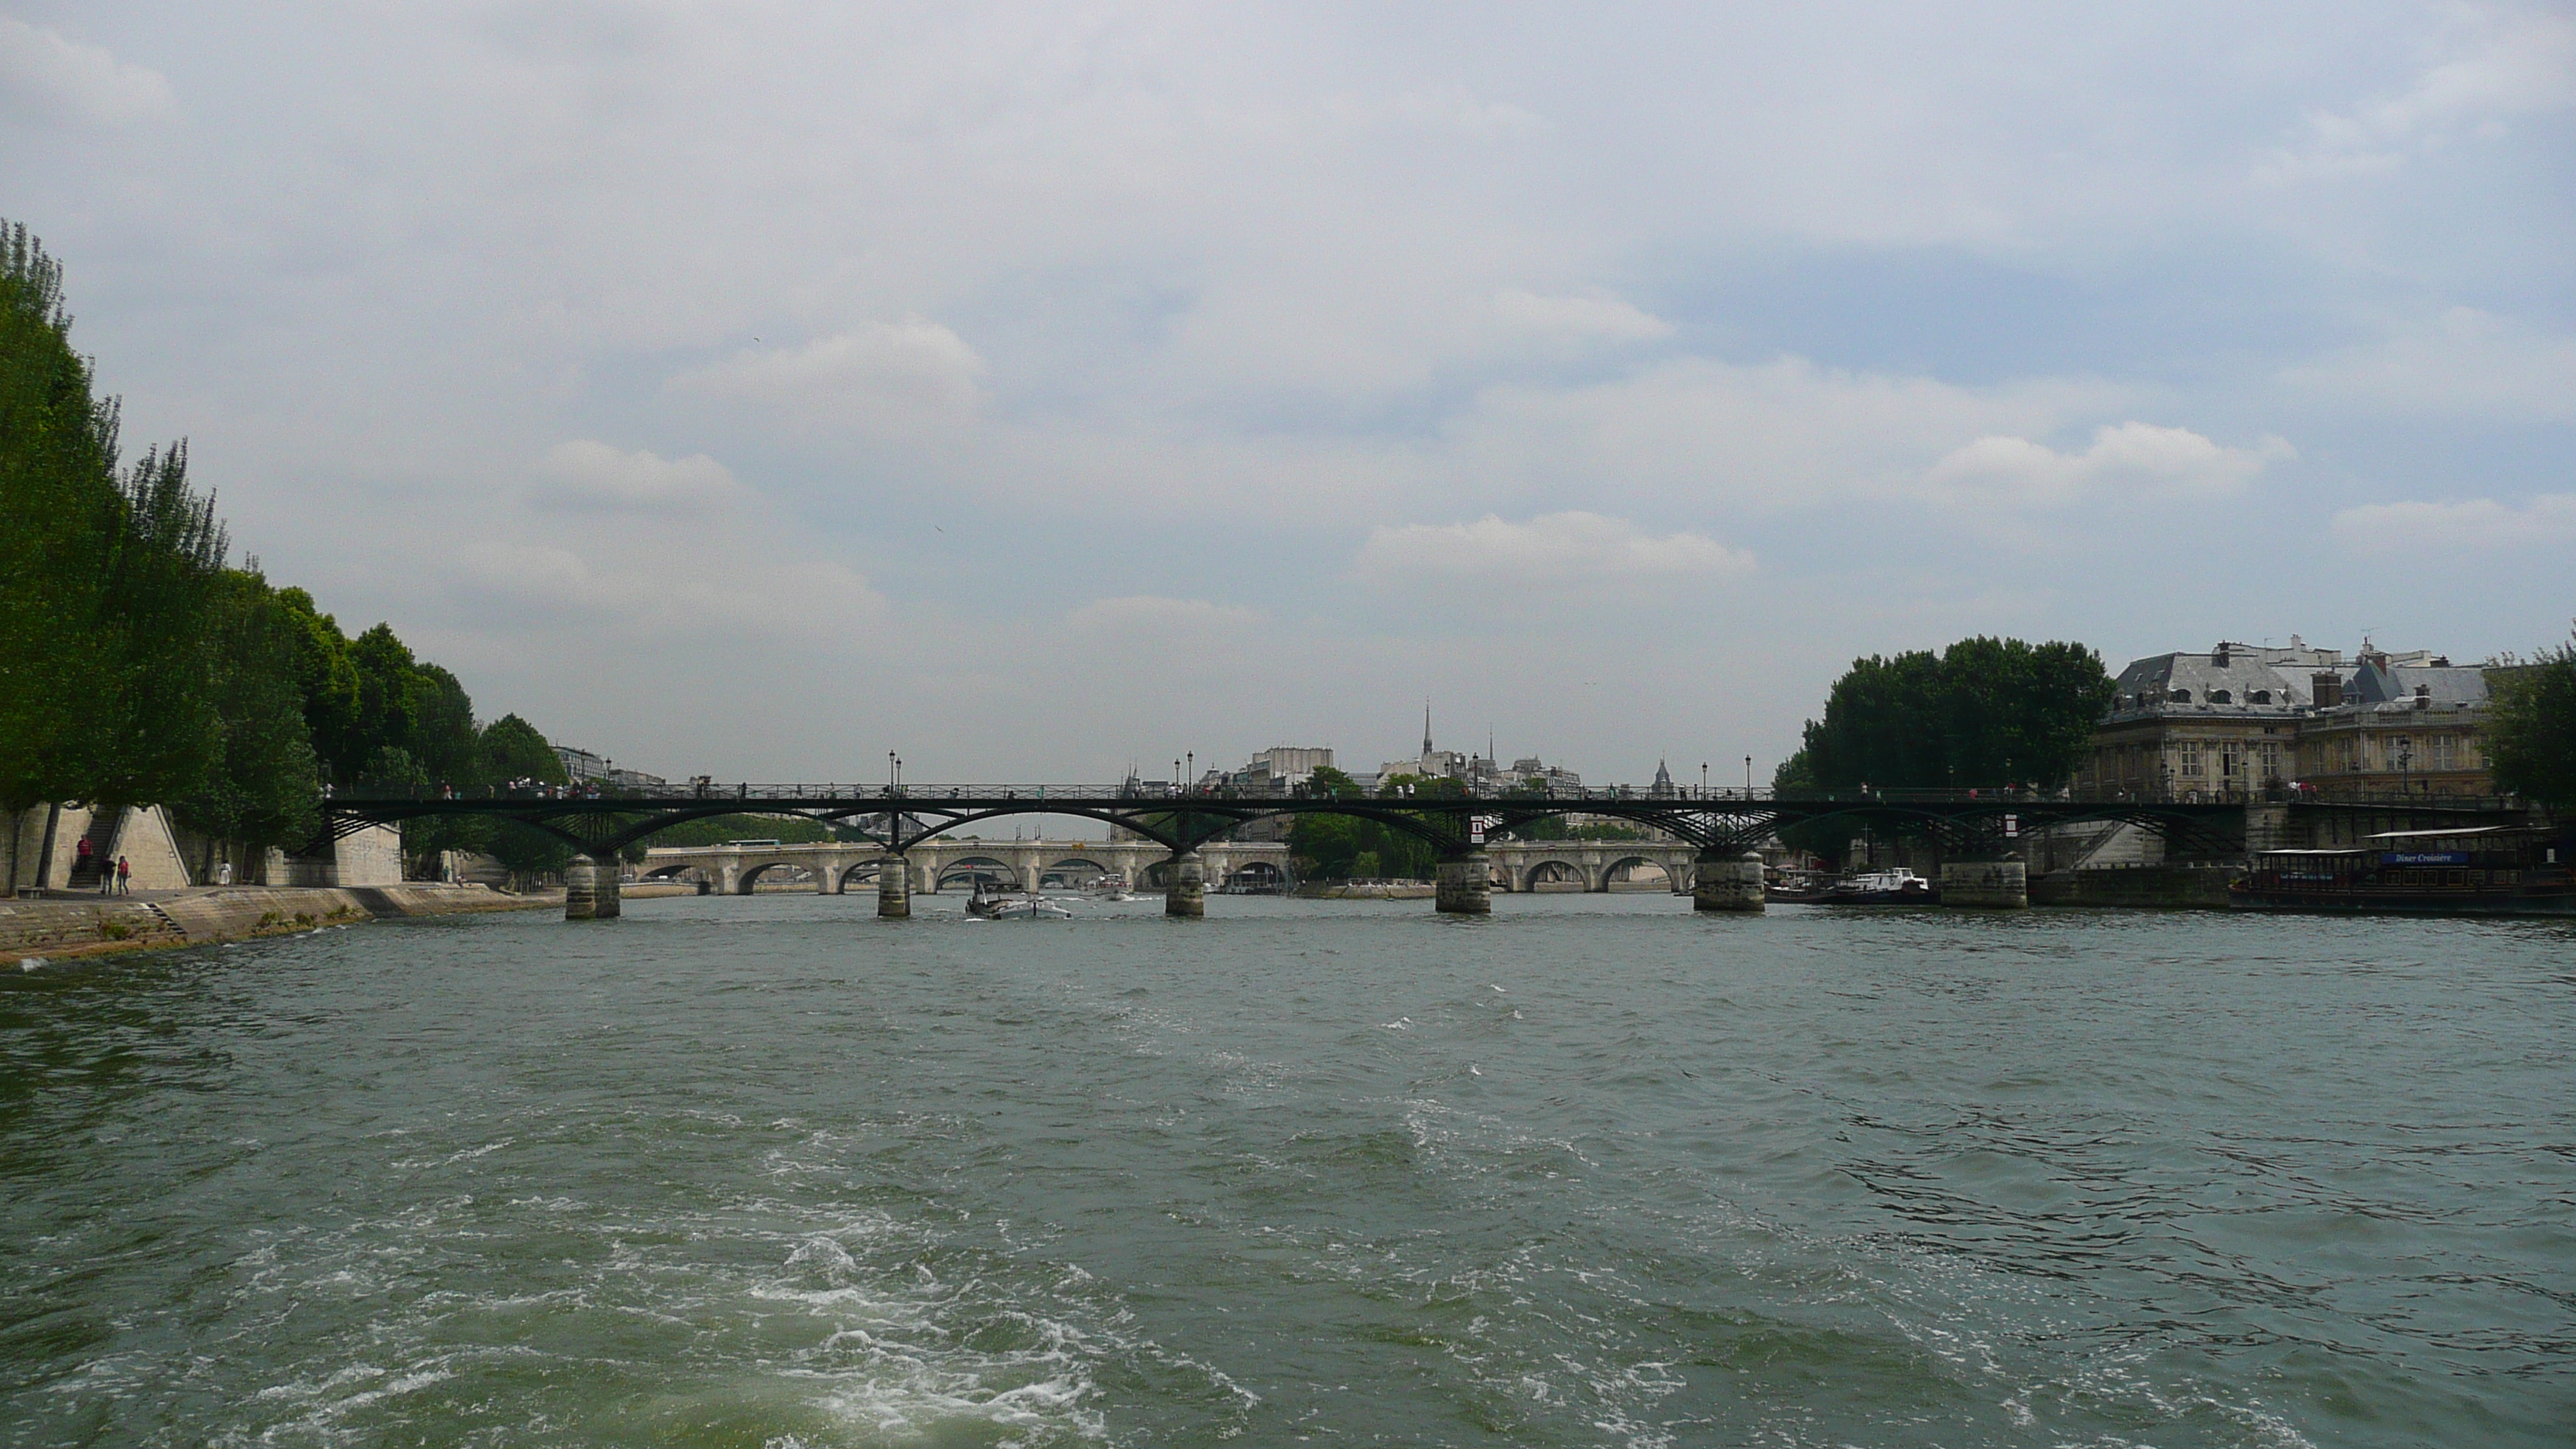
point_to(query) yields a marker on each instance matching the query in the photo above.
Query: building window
(2231, 761)
(2441, 746)
(2268, 756)
(2190, 757)
(2220, 696)
(2262, 696)
(2181, 696)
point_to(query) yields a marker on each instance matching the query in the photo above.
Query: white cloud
(1160, 619)
(1551, 550)
(1774, 437)
(2483, 524)
(1601, 316)
(903, 378)
(2130, 459)
(2465, 362)
(2513, 61)
(584, 476)
(47, 77)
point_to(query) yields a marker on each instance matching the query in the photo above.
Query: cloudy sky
(1036, 388)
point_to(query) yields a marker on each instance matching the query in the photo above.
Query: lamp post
(1748, 777)
(1703, 779)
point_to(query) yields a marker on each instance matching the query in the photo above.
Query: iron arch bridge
(598, 822)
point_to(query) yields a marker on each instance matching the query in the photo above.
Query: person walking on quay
(81, 862)
(124, 877)
(106, 875)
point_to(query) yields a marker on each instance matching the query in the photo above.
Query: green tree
(1982, 713)
(388, 683)
(513, 750)
(328, 679)
(104, 688)
(58, 525)
(2531, 728)
(1341, 847)
(265, 784)
(443, 737)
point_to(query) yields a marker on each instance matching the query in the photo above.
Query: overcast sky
(751, 389)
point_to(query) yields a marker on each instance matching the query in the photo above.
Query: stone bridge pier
(1464, 884)
(590, 889)
(1185, 885)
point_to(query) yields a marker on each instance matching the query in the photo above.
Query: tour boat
(996, 905)
(1894, 886)
(2487, 870)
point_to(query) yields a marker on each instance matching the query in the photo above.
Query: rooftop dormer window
(2180, 696)
(2220, 696)
(2261, 696)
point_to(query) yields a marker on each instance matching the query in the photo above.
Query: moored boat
(1895, 886)
(2487, 870)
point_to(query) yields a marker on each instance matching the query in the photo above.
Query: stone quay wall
(53, 929)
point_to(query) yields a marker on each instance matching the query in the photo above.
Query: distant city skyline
(1028, 388)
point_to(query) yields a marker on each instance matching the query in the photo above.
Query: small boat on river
(1005, 906)
(1895, 886)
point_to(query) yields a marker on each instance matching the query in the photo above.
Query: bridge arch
(1627, 870)
(748, 878)
(856, 872)
(1256, 875)
(1554, 874)
(1073, 870)
(967, 870)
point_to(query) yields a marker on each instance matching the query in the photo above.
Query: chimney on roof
(2423, 696)
(2326, 687)
(2218, 657)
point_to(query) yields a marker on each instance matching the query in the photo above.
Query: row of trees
(1983, 712)
(139, 666)
(2531, 727)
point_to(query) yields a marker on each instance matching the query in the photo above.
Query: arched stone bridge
(1514, 865)
(1013, 864)
(1528, 865)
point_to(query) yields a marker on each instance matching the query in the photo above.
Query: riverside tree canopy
(2531, 728)
(138, 666)
(1981, 713)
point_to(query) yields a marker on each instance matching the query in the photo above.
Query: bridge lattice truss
(600, 824)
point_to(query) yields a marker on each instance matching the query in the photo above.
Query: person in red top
(124, 875)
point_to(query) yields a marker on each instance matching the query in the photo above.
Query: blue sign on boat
(2424, 857)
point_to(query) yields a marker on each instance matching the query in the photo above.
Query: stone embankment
(58, 928)
(2167, 887)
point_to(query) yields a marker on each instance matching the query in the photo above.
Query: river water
(769, 1172)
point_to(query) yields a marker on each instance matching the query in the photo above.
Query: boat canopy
(2448, 834)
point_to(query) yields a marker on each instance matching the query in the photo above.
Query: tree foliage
(104, 673)
(1342, 847)
(1982, 713)
(2531, 728)
(136, 667)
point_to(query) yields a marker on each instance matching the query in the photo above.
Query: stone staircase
(104, 827)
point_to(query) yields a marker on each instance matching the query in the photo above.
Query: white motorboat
(1005, 907)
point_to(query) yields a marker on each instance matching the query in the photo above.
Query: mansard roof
(2230, 683)
(2378, 683)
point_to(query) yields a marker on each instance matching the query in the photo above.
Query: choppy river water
(768, 1172)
